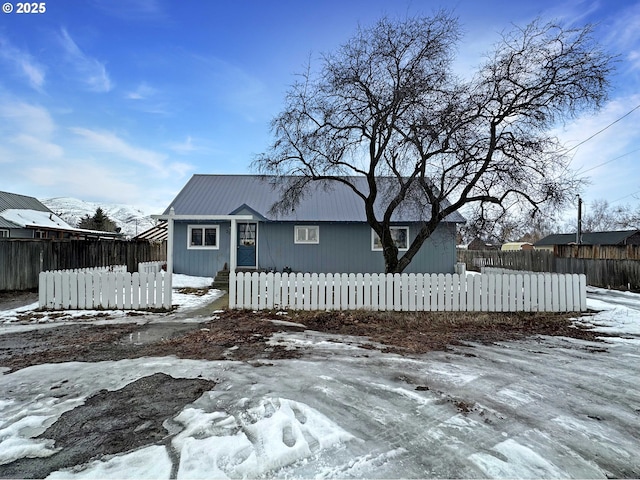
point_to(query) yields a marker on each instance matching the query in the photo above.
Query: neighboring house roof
(7, 224)
(27, 218)
(228, 194)
(14, 200)
(21, 211)
(588, 238)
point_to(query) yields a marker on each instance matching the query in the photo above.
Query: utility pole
(579, 233)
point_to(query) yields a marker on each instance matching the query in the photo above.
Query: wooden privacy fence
(409, 292)
(65, 290)
(22, 260)
(607, 273)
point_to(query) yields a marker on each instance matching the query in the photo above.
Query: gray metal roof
(10, 201)
(588, 238)
(225, 194)
(7, 224)
(14, 200)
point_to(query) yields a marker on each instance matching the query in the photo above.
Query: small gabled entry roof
(588, 238)
(255, 194)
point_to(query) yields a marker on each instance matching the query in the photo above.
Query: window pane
(312, 234)
(301, 234)
(399, 236)
(377, 243)
(210, 237)
(196, 236)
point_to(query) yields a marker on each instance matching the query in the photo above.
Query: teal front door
(247, 241)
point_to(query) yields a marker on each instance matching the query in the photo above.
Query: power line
(626, 196)
(608, 161)
(605, 128)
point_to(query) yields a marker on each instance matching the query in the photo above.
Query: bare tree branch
(386, 106)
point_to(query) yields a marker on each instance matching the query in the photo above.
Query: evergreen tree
(99, 221)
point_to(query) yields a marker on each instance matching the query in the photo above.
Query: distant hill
(129, 219)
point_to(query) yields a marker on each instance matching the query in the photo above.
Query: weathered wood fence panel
(67, 290)
(598, 252)
(22, 260)
(409, 292)
(609, 273)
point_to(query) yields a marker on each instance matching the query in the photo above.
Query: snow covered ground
(17, 319)
(549, 407)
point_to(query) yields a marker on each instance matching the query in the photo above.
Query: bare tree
(387, 106)
(601, 216)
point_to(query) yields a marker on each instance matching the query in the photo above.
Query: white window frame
(190, 228)
(4, 233)
(306, 228)
(378, 248)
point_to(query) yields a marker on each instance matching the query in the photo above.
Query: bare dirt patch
(244, 335)
(112, 422)
(420, 332)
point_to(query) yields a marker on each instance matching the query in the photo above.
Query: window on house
(4, 233)
(203, 236)
(400, 237)
(306, 234)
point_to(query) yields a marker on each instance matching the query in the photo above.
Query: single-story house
(22, 216)
(225, 220)
(621, 237)
(511, 246)
(479, 244)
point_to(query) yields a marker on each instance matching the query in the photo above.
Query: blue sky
(121, 101)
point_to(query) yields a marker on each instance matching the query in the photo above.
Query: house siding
(200, 263)
(346, 247)
(20, 233)
(343, 248)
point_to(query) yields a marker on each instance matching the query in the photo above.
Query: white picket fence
(150, 267)
(65, 290)
(409, 292)
(109, 268)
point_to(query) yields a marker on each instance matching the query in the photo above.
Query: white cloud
(625, 30)
(42, 149)
(610, 147)
(185, 147)
(24, 64)
(180, 169)
(92, 72)
(110, 143)
(20, 117)
(634, 59)
(143, 92)
(86, 179)
(119, 149)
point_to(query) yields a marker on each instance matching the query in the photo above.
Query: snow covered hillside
(130, 219)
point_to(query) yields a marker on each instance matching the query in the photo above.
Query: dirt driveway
(111, 422)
